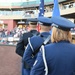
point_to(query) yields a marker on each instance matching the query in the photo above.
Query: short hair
(43, 27)
(59, 35)
(32, 23)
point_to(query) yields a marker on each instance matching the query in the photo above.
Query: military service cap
(62, 23)
(32, 21)
(44, 21)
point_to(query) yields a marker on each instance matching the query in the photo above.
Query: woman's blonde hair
(59, 35)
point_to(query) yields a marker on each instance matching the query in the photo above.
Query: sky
(15, 0)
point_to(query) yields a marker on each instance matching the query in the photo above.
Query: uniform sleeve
(38, 67)
(20, 47)
(27, 57)
(30, 49)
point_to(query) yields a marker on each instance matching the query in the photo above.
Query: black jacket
(24, 41)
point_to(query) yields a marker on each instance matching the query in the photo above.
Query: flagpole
(56, 10)
(41, 11)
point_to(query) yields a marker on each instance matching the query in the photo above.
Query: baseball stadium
(13, 18)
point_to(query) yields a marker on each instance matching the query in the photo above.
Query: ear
(39, 27)
(50, 27)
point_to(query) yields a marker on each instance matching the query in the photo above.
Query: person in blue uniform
(57, 58)
(20, 48)
(35, 42)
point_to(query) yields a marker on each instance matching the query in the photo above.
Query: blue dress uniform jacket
(35, 42)
(59, 57)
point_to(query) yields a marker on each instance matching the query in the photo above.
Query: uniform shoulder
(28, 34)
(50, 45)
(73, 45)
(36, 38)
(36, 41)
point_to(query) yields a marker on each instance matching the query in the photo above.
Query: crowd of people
(15, 33)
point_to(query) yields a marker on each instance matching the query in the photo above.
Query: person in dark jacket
(24, 38)
(35, 43)
(20, 48)
(57, 58)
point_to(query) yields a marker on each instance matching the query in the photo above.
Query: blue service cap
(44, 21)
(62, 23)
(26, 23)
(32, 21)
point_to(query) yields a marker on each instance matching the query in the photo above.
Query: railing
(26, 16)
